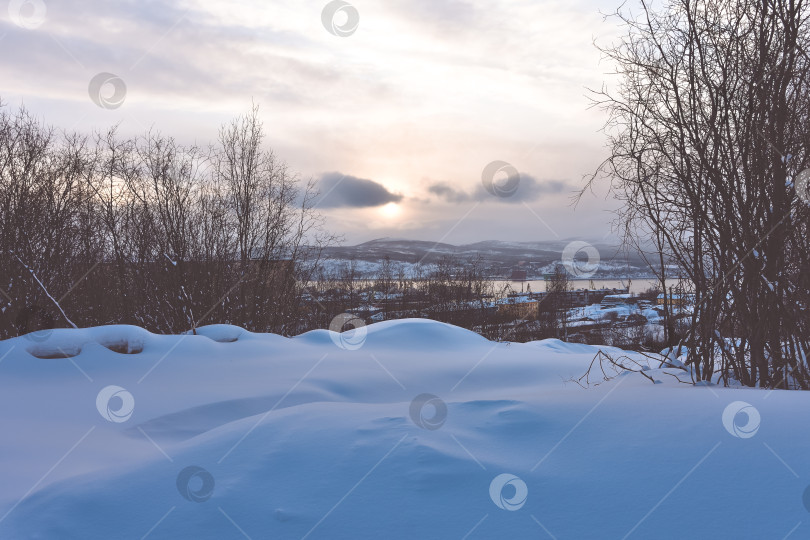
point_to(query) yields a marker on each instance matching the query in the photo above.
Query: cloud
(344, 191)
(190, 66)
(449, 193)
(202, 57)
(528, 189)
(440, 15)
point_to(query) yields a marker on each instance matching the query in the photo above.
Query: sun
(390, 210)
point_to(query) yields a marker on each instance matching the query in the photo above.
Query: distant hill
(499, 257)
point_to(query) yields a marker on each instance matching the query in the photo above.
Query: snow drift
(403, 429)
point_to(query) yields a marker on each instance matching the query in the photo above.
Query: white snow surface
(305, 439)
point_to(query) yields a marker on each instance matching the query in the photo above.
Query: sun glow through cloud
(398, 99)
(391, 211)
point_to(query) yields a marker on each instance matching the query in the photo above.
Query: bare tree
(172, 236)
(708, 128)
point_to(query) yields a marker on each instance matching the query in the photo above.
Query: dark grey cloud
(529, 189)
(344, 191)
(449, 193)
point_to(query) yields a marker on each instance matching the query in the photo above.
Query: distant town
(511, 306)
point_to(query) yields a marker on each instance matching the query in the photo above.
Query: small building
(613, 300)
(676, 299)
(520, 307)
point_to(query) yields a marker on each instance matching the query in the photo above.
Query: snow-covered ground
(403, 429)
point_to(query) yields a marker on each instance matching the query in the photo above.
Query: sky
(438, 120)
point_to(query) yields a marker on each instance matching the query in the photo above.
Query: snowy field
(404, 429)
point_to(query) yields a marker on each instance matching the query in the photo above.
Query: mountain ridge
(499, 256)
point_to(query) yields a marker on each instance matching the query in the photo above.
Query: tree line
(104, 229)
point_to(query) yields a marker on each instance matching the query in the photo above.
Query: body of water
(637, 286)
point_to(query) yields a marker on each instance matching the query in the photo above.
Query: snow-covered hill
(496, 256)
(404, 429)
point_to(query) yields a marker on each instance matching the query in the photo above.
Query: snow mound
(413, 334)
(67, 343)
(404, 429)
(222, 333)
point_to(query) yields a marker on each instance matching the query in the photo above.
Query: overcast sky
(397, 116)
